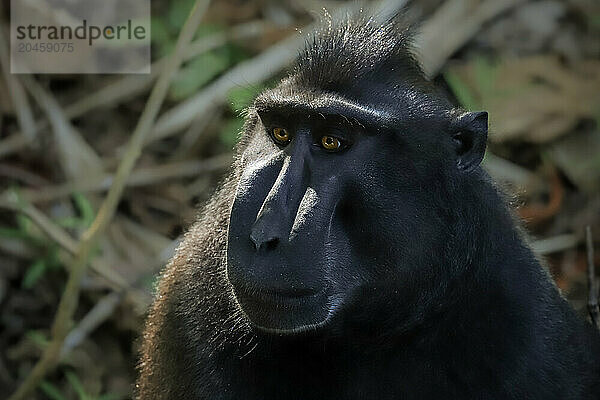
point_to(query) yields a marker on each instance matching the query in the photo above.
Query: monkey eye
(331, 143)
(280, 135)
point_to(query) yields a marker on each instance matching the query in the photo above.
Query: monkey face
(330, 204)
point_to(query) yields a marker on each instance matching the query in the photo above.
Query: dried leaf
(578, 156)
(535, 99)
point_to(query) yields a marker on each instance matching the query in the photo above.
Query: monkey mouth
(284, 311)
(279, 296)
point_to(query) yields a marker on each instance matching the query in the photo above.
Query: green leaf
(230, 132)
(34, 273)
(197, 73)
(160, 35)
(51, 391)
(23, 222)
(208, 29)
(234, 53)
(462, 92)
(240, 98)
(69, 222)
(166, 49)
(37, 337)
(85, 209)
(53, 257)
(12, 233)
(77, 386)
(594, 20)
(485, 76)
(178, 13)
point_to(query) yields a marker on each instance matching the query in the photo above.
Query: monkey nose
(263, 240)
(269, 228)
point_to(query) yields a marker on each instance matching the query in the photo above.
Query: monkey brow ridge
(324, 103)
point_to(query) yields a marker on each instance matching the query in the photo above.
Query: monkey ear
(469, 135)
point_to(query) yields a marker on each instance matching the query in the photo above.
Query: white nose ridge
(305, 211)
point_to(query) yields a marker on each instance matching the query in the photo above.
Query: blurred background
(534, 65)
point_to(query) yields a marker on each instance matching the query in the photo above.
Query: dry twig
(452, 25)
(591, 277)
(18, 95)
(76, 156)
(506, 171)
(140, 177)
(555, 244)
(12, 144)
(101, 311)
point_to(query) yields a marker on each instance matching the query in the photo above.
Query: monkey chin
(278, 314)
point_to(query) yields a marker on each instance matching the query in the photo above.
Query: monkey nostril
(264, 242)
(271, 244)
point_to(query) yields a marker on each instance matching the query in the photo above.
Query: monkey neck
(490, 291)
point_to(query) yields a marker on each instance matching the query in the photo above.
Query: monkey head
(344, 166)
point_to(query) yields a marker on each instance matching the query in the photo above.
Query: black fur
(436, 294)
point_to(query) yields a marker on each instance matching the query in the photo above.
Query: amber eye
(331, 143)
(281, 135)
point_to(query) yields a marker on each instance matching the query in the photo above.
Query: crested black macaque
(358, 250)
